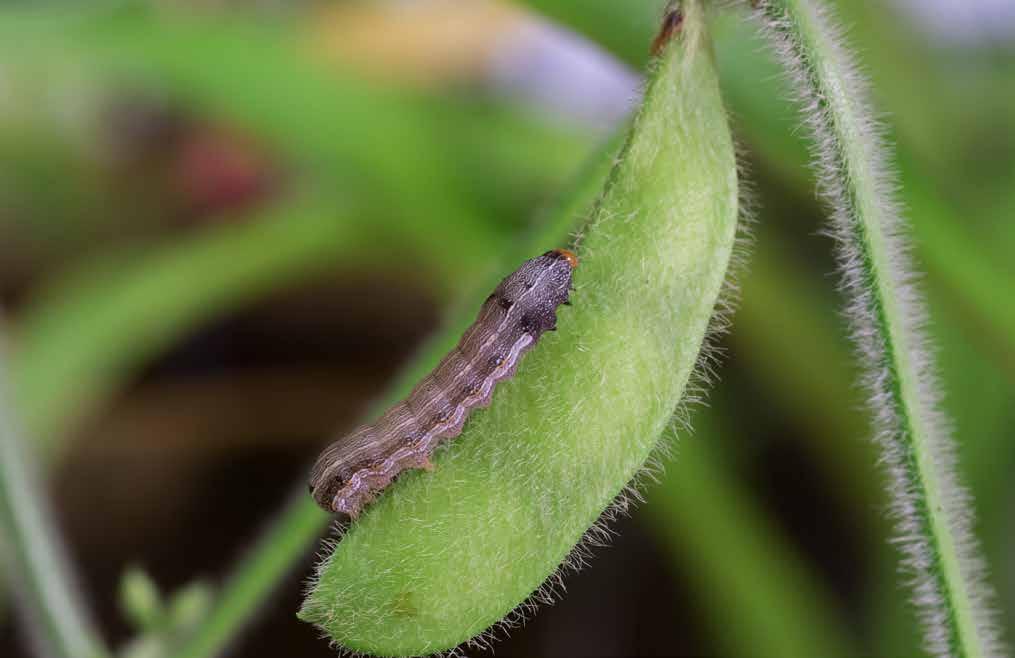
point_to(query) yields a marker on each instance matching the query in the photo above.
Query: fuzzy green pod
(442, 557)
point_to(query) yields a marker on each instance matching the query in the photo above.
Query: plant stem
(762, 596)
(42, 579)
(932, 510)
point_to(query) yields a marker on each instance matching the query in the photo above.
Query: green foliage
(42, 577)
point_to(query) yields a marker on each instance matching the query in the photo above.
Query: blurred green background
(224, 226)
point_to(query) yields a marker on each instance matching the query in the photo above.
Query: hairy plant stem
(932, 510)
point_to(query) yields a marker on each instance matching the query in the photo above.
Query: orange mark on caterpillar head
(671, 25)
(569, 256)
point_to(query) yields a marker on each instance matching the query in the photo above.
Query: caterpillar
(353, 470)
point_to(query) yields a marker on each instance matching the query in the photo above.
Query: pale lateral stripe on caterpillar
(353, 469)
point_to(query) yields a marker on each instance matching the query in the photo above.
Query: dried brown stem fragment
(672, 22)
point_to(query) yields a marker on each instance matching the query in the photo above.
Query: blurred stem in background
(736, 561)
(58, 623)
(76, 346)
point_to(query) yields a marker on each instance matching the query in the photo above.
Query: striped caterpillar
(356, 467)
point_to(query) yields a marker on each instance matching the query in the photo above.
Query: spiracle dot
(529, 323)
